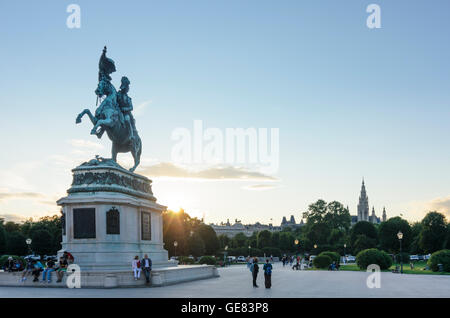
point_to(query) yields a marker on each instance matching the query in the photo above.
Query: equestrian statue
(113, 115)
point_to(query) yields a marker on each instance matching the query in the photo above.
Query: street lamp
(315, 248)
(249, 248)
(28, 241)
(175, 244)
(296, 244)
(400, 237)
(225, 255)
(345, 260)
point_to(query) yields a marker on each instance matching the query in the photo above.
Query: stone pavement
(235, 281)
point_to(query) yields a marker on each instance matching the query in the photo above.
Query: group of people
(35, 268)
(254, 269)
(144, 265)
(12, 265)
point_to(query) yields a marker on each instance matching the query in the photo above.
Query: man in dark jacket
(255, 271)
(146, 265)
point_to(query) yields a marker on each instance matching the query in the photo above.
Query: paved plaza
(235, 281)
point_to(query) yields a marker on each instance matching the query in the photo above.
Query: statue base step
(115, 279)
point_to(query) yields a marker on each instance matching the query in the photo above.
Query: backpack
(138, 264)
(251, 267)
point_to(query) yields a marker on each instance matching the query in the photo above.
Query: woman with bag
(136, 265)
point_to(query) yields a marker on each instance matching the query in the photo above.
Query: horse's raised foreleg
(88, 112)
(107, 122)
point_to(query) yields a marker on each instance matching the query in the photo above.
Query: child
(136, 265)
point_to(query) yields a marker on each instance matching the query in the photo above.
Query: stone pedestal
(111, 216)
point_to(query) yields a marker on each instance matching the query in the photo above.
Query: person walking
(136, 266)
(267, 274)
(146, 265)
(255, 270)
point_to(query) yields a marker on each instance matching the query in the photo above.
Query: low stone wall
(112, 279)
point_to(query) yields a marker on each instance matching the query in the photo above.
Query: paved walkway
(235, 281)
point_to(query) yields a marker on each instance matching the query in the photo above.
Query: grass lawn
(419, 268)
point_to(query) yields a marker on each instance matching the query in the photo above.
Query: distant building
(363, 209)
(291, 223)
(248, 229)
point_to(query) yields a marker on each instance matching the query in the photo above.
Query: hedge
(184, 260)
(373, 256)
(208, 260)
(440, 257)
(322, 261)
(335, 257)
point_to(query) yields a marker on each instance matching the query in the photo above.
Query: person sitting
(68, 257)
(29, 267)
(296, 266)
(10, 264)
(136, 267)
(62, 268)
(332, 266)
(37, 268)
(48, 271)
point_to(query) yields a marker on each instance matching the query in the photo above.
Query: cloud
(139, 109)
(20, 195)
(260, 187)
(17, 218)
(85, 144)
(167, 169)
(441, 205)
(418, 209)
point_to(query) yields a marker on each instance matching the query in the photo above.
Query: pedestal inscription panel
(146, 226)
(83, 223)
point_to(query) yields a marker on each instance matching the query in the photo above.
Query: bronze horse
(108, 117)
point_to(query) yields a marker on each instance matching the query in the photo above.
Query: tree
(11, 227)
(223, 240)
(327, 224)
(316, 212)
(416, 228)
(2, 240)
(196, 246)
(210, 239)
(388, 235)
(41, 242)
(337, 216)
(16, 245)
(287, 242)
(264, 239)
(239, 240)
(276, 239)
(318, 233)
(363, 242)
(364, 228)
(434, 232)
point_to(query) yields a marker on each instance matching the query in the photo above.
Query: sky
(349, 102)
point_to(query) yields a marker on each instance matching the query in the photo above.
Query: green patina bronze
(113, 115)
